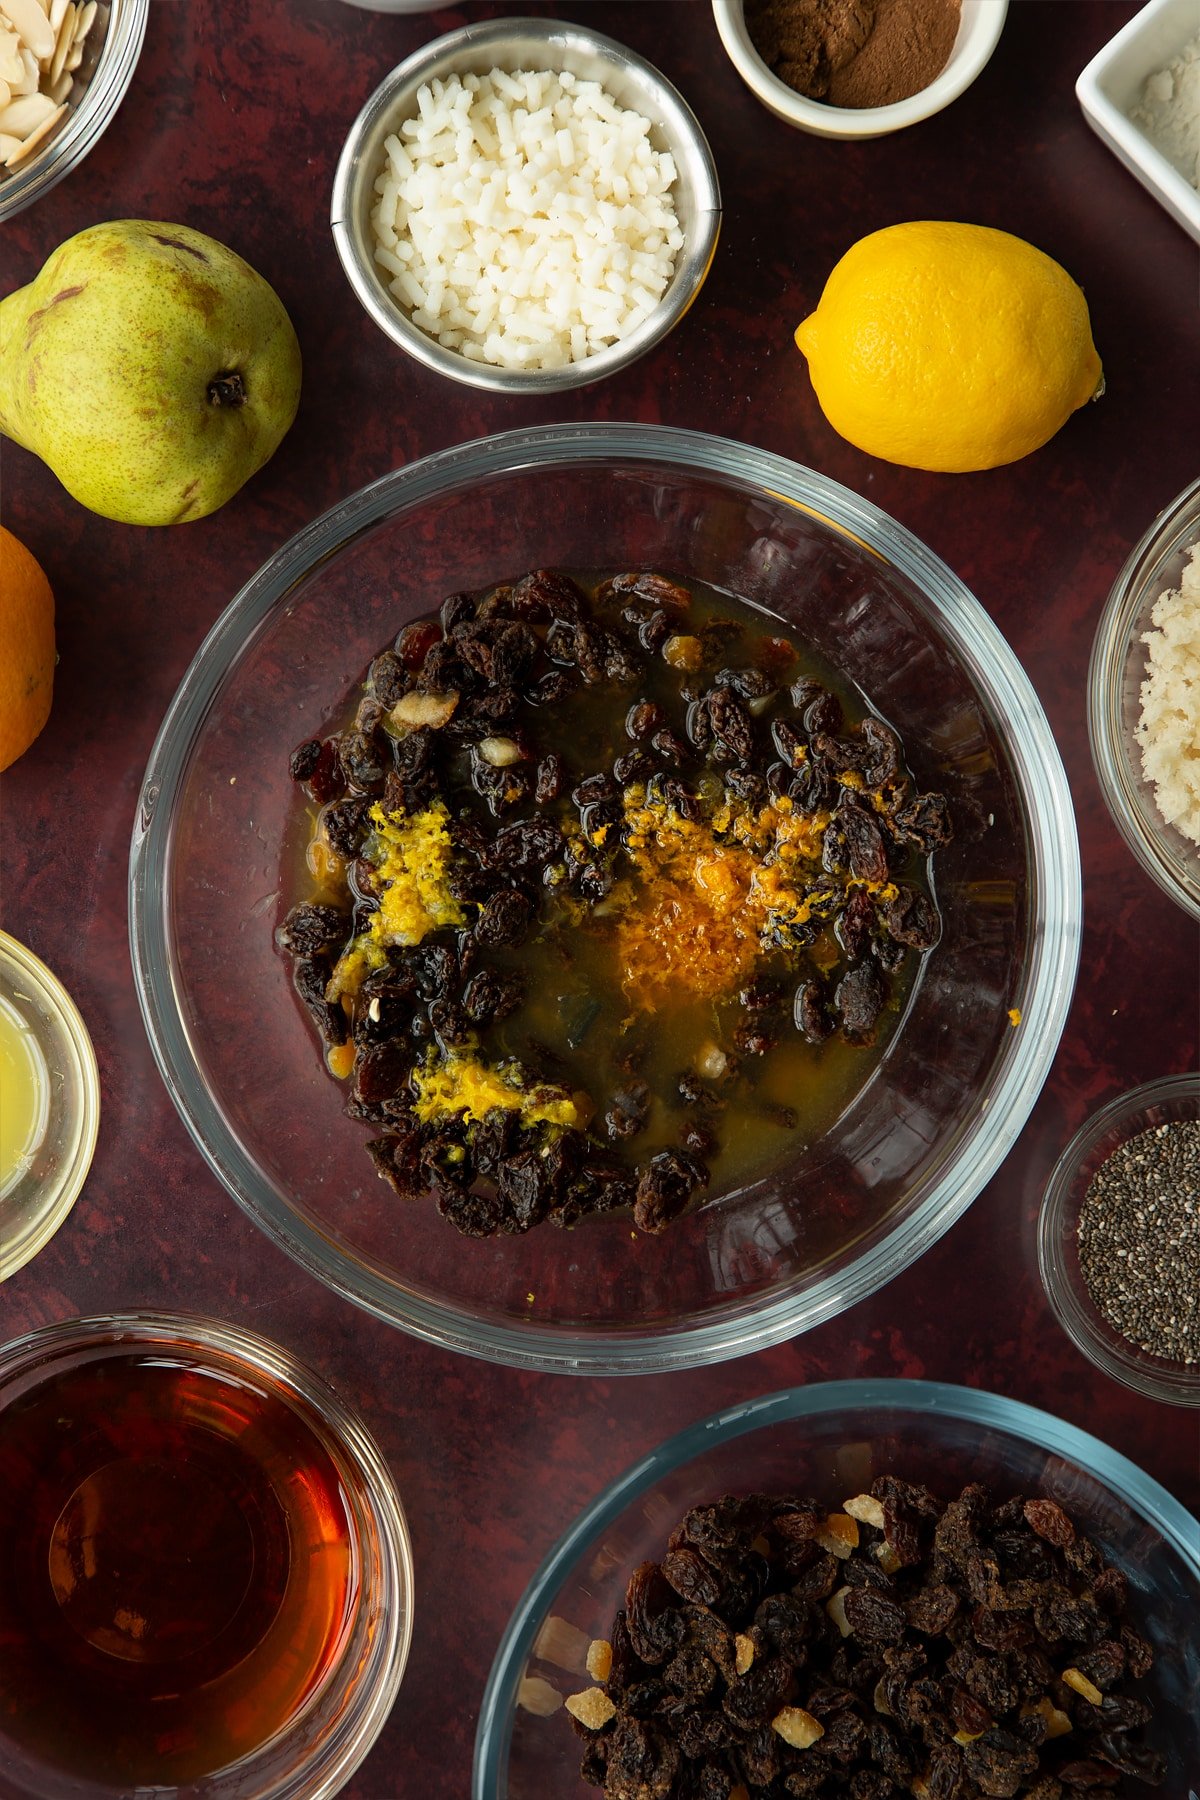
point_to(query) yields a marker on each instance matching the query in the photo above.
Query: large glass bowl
(828, 1442)
(215, 855)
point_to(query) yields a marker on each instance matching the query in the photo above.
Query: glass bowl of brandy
(218, 859)
(205, 1572)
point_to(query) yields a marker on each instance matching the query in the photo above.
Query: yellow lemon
(948, 346)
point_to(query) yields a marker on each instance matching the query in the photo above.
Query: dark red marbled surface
(233, 124)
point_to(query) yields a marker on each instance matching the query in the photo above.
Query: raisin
(551, 778)
(670, 747)
(415, 641)
(925, 822)
(344, 824)
(310, 929)
(304, 759)
(864, 842)
(644, 719)
(731, 723)
(651, 1617)
(475, 1215)
(529, 844)
(647, 586)
(325, 779)
(1050, 1522)
(912, 919)
(885, 753)
(665, 1189)
(698, 1139)
(552, 687)
(394, 1164)
(489, 997)
(633, 765)
(504, 918)
(822, 712)
(310, 975)
(856, 924)
(859, 998)
(692, 1577)
(873, 1618)
(547, 594)
(789, 742)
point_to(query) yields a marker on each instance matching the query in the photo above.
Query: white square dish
(1111, 87)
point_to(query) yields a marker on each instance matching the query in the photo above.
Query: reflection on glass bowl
(828, 1442)
(210, 876)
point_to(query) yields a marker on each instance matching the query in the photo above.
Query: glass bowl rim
(90, 118)
(974, 1406)
(994, 669)
(322, 1773)
(1175, 1385)
(73, 1170)
(1112, 756)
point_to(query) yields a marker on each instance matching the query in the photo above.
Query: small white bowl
(1111, 87)
(978, 34)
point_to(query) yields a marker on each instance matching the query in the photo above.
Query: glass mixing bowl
(216, 860)
(1118, 669)
(828, 1442)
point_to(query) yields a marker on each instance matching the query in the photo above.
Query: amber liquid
(176, 1569)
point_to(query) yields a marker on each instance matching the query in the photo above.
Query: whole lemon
(26, 648)
(947, 346)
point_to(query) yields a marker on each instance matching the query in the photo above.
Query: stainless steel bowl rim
(89, 118)
(1054, 875)
(972, 1405)
(440, 57)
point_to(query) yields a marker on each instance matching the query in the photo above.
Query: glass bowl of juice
(51, 1107)
(219, 858)
(205, 1572)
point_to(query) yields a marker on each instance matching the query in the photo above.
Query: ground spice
(854, 53)
(1139, 1240)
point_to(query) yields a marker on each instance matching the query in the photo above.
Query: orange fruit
(26, 648)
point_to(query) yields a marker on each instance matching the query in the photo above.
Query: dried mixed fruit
(609, 881)
(976, 1650)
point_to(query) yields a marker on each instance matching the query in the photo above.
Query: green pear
(151, 368)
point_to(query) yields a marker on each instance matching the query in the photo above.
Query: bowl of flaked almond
(64, 69)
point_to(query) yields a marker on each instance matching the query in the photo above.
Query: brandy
(177, 1569)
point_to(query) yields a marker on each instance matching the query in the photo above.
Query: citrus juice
(24, 1096)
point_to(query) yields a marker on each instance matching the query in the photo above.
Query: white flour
(1169, 111)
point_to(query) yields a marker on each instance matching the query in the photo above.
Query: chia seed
(1139, 1240)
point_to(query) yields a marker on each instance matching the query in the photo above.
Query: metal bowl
(110, 57)
(542, 44)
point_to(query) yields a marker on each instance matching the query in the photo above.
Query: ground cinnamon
(854, 53)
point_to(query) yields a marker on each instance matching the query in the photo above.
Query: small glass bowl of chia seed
(1119, 1239)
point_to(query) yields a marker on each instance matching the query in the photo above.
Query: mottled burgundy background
(233, 124)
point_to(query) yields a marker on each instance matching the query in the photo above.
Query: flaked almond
(563, 1644)
(888, 1558)
(743, 1652)
(31, 24)
(1057, 1722)
(797, 1727)
(838, 1535)
(35, 136)
(1075, 1678)
(84, 20)
(25, 114)
(62, 46)
(835, 1606)
(57, 9)
(414, 710)
(536, 1695)
(866, 1509)
(592, 1708)
(599, 1659)
(499, 752)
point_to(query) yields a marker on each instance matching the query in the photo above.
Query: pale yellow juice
(24, 1097)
